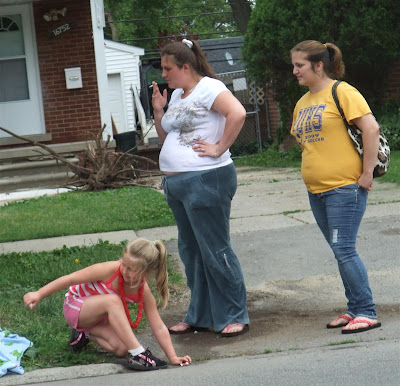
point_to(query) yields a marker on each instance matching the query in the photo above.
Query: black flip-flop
(362, 329)
(245, 329)
(337, 326)
(190, 329)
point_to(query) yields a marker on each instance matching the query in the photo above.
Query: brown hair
(329, 54)
(193, 56)
(151, 255)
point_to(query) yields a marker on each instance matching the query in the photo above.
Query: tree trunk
(241, 13)
(113, 29)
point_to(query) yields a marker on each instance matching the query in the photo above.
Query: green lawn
(45, 325)
(84, 212)
(65, 214)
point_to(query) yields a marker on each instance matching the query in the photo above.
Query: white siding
(125, 59)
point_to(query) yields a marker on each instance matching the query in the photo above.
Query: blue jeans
(201, 204)
(338, 213)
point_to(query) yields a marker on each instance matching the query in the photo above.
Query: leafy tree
(149, 24)
(137, 19)
(366, 31)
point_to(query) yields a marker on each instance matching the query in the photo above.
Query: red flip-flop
(362, 329)
(343, 316)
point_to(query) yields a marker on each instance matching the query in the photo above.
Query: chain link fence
(249, 139)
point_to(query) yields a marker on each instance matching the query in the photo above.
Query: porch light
(52, 15)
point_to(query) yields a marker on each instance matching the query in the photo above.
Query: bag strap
(336, 99)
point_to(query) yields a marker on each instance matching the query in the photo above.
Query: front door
(21, 108)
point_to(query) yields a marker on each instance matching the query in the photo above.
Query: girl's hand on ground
(179, 360)
(31, 299)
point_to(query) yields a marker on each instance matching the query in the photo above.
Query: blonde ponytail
(151, 256)
(162, 273)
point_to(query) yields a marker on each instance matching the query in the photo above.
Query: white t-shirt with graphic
(188, 120)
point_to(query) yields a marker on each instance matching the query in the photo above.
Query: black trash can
(126, 141)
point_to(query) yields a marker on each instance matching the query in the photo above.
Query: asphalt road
(347, 364)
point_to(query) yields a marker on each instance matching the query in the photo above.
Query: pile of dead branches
(100, 166)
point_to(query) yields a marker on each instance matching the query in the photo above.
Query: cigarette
(151, 86)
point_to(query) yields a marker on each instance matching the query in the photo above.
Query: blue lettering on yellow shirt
(309, 121)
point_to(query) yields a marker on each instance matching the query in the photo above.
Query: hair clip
(189, 43)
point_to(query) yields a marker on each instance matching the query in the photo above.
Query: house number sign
(61, 29)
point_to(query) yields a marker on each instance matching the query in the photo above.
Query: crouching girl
(96, 304)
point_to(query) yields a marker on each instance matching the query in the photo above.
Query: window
(13, 75)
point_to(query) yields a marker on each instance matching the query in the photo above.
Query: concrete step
(45, 173)
(47, 180)
(24, 168)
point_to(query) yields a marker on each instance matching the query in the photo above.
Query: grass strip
(272, 157)
(80, 212)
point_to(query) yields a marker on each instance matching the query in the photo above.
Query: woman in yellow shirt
(337, 179)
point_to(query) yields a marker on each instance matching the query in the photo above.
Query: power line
(180, 36)
(210, 61)
(172, 17)
(210, 5)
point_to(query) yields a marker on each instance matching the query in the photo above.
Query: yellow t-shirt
(329, 158)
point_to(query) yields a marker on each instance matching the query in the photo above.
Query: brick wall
(70, 115)
(274, 118)
(394, 81)
(273, 110)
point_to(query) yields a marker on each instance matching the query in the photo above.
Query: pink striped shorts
(72, 307)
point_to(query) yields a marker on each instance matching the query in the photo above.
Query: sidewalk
(265, 200)
(291, 276)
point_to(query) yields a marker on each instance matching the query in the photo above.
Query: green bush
(273, 157)
(392, 133)
(389, 120)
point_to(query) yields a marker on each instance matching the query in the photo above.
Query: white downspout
(98, 23)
